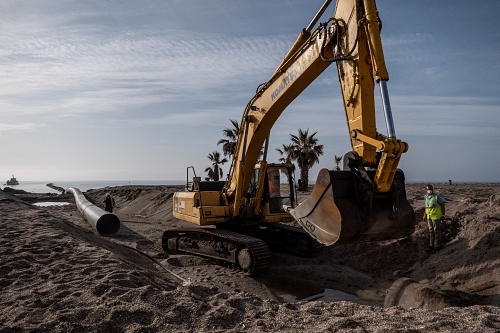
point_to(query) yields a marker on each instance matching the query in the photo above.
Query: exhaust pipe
(103, 222)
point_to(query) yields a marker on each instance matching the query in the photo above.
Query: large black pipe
(103, 222)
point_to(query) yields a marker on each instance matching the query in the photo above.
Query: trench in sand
(291, 290)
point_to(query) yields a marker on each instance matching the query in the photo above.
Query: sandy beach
(60, 275)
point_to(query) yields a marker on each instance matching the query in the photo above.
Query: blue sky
(140, 90)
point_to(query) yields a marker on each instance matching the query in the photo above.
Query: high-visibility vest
(433, 208)
(110, 201)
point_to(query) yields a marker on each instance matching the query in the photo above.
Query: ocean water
(41, 187)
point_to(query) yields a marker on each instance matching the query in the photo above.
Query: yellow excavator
(251, 210)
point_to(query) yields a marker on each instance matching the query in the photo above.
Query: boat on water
(12, 181)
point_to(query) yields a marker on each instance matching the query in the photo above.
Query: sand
(59, 275)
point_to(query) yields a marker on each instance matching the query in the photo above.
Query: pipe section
(103, 222)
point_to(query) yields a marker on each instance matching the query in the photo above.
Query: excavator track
(243, 252)
(310, 248)
(281, 238)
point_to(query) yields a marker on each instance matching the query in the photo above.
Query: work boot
(429, 249)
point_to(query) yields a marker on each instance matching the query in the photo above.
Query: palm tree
(306, 151)
(231, 134)
(229, 144)
(286, 155)
(215, 171)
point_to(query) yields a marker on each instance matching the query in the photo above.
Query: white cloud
(447, 116)
(67, 75)
(18, 127)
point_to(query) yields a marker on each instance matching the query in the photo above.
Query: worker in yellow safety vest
(434, 212)
(109, 203)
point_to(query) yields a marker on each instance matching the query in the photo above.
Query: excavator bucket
(343, 209)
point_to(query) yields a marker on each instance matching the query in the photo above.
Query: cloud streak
(18, 127)
(135, 68)
(448, 116)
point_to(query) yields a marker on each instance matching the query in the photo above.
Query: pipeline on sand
(103, 222)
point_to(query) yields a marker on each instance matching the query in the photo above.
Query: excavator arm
(357, 75)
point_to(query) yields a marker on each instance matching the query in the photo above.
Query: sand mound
(58, 275)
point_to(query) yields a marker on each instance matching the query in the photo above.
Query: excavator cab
(278, 195)
(344, 207)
